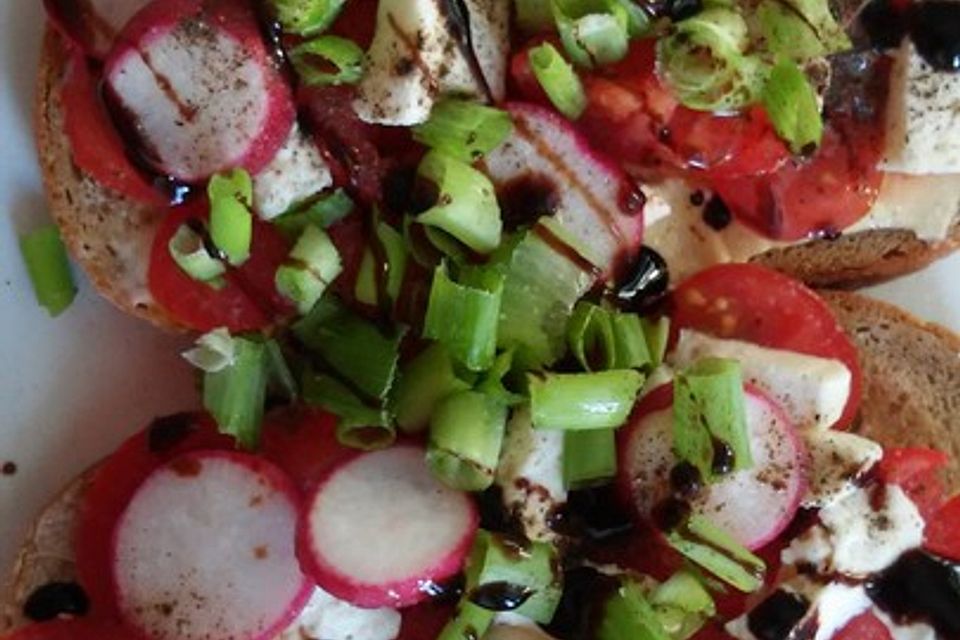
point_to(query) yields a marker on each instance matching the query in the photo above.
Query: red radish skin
(754, 505)
(596, 202)
(381, 531)
(96, 147)
(195, 84)
(92, 25)
(206, 550)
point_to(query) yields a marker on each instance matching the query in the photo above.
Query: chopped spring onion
(529, 570)
(591, 338)
(463, 129)
(589, 458)
(470, 621)
(709, 409)
(791, 103)
(682, 604)
(231, 223)
(575, 401)
(629, 11)
(312, 265)
(235, 395)
(463, 316)
(632, 351)
(800, 29)
(466, 434)
(595, 39)
(422, 384)
(534, 16)
(214, 351)
(190, 253)
(359, 425)
(352, 346)
(313, 59)
(708, 546)
(322, 212)
(703, 61)
(49, 269)
(558, 79)
(396, 253)
(492, 384)
(540, 289)
(628, 614)
(281, 380)
(657, 334)
(307, 17)
(466, 205)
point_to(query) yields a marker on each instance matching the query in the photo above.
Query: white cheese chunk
(837, 460)
(297, 172)
(811, 390)
(416, 57)
(855, 538)
(911, 631)
(926, 205)
(923, 121)
(329, 618)
(531, 474)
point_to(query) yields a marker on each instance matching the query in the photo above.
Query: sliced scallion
(632, 351)
(214, 351)
(466, 434)
(470, 621)
(312, 265)
(463, 129)
(423, 383)
(595, 39)
(589, 458)
(312, 60)
(576, 401)
(322, 212)
(713, 549)
(791, 103)
(396, 253)
(800, 29)
(628, 614)
(463, 316)
(235, 395)
(49, 269)
(281, 380)
(558, 79)
(492, 382)
(591, 337)
(709, 408)
(359, 425)
(682, 604)
(637, 20)
(657, 334)
(466, 205)
(231, 223)
(307, 17)
(187, 249)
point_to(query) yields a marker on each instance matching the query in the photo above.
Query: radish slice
(590, 196)
(206, 549)
(380, 530)
(754, 505)
(195, 84)
(92, 25)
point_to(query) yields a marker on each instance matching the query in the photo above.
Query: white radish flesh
(197, 86)
(206, 550)
(753, 505)
(595, 202)
(382, 531)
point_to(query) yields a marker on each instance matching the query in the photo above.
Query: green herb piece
(49, 269)
(579, 401)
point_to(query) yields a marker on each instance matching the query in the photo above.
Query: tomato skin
(425, 620)
(73, 629)
(916, 470)
(95, 145)
(114, 483)
(866, 626)
(943, 530)
(303, 442)
(756, 304)
(249, 301)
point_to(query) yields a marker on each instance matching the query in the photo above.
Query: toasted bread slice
(911, 397)
(110, 235)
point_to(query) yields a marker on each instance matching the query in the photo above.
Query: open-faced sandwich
(184, 143)
(756, 463)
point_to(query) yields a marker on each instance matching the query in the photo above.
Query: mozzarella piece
(295, 173)
(911, 631)
(329, 618)
(923, 122)
(926, 205)
(415, 58)
(812, 391)
(856, 539)
(837, 460)
(531, 475)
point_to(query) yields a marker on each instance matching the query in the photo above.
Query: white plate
(73, 387)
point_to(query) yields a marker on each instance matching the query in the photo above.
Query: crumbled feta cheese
(329, 618)
(295, 173)
(837, 459)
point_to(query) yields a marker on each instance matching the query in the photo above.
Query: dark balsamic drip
(716, 214)
(9, 468)
(920, 588)
(595, 514)
(671, 513)
(777, 617)
(56, 599)
(580, 610)
(399, 195)
(213, 251)
(167, 432)
(724, 458)
(493, 515)
(685, 480)
(523, 200)
(935, 30)
(448, 591)
(457, 17)
(697, 198)
(682, 9)
(858, 87)
(501, 596)
(883, 23)
(647, 283)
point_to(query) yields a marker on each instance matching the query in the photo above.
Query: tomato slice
(249, 301)
(917, 471)
(943, 530)
(822, 196)
(113, 485)
(73, 629)
(303, 442)
(95, 145)
(866, 626)
(425, 620)
(758, 305)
